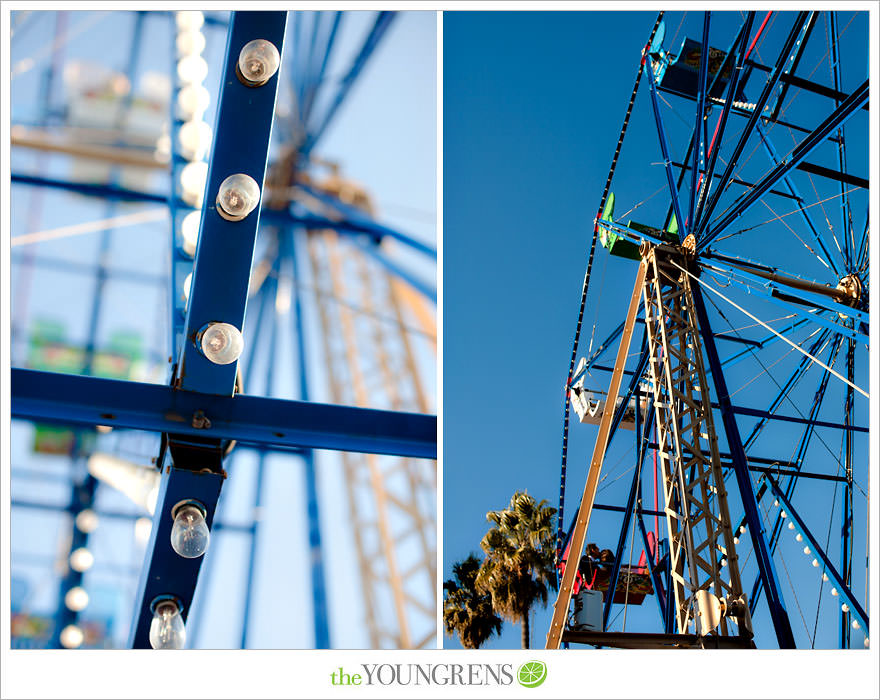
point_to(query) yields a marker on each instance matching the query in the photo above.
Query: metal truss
(371, 360)
(697, 516)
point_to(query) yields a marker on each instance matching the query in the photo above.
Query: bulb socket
(166, 598)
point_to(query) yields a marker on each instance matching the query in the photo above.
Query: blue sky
(533, 104)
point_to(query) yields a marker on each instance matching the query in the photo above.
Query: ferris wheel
(741, 506)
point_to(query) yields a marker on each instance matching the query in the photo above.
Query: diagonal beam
(836, 119)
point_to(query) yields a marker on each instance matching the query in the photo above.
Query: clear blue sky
(533, 104)
(384, 137)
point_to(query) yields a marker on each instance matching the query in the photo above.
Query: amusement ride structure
(746, 388)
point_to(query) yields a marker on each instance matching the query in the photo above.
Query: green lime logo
(531, 674)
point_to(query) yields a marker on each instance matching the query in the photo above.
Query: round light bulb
(816, 563)
(742, 529)
(189, 230)
(867, 644)
(187, 283)
(81, 559)
(190, 535)
(71, 637)
(166, 629)
(142, 529)
(824, 576)
(799, 537)
(86, 521)
(736, 540)
(844, 607)
(190, 42)
(195, 140)
(192, 183)
(193, 101)
(782, 514)
(76, 598)
(790, 525)
(258, 62)
(237, 197)
(192, 70)
(221, 343)
(724, 562)
(189, 19)
(776, 503)
(834, 591)
(806, 550)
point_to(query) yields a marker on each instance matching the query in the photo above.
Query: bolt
(200, 421)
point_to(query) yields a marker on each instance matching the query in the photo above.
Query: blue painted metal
(316, 555)
(357, 220)
(631, 233)
(667, 162)
(827, 567)
(165, 571)
(699, 150)
(374, 251)
(846, 513)
(730, 97)
(753, 119)
(845, 215)
(775, 601)
(319, 78)
(660, 592)
(225, 252)
(75, 400)
(383, 21)
(836, 119)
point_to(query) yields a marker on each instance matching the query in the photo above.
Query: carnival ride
(152, 401)
(748, 388)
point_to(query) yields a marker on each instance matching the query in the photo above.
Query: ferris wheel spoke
(758, 110)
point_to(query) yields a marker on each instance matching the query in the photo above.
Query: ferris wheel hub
(851, 285)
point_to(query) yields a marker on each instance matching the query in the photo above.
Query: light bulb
(81, 559)
(816, 563)
(834, 591)
(86, 521)
(190, 535)
(190, 43)
(867, 644)
(189, 19)
(221, 343)
(790, 525)
(806, 550)
(736, 540)
(824, 576)
(187, 283)
(782, 514)
(193, 101)
(76, 598)
(776, 503)
(195, 140)
(742, 529)
(192, 183)
(257, 62)
(844, 608)
(237, 197)
(724, 562)
(799, 537)
(166, 629)
(142, 529)
(189, 229)
(192, 70)
(71, 637)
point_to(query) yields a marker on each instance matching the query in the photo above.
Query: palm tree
(520, 559)
(466, 611)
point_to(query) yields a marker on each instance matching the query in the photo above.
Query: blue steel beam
(76, 400)
(316, 555)
(827, 567)
(775, 601)
(753, 119)
(667, 161)
(730, 97)
(374, 251)
(700, 146)
(836, 119)
(845, 215)
(221, 273)
(358, 220)
(377, 31)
